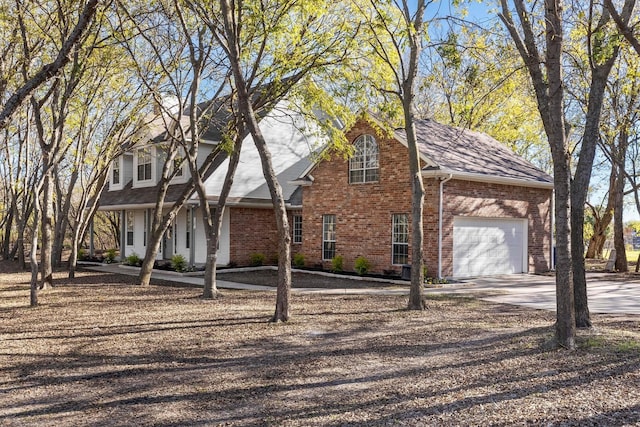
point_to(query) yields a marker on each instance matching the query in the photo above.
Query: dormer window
(178, 166)
(364, 166)
(116, 177)
(116, 173)
(144, 164)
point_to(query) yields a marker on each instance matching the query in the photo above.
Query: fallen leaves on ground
(100, 350)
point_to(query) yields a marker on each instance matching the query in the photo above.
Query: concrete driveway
(607, 292)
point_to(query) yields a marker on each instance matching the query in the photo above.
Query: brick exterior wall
(253, 230)
(364, 211)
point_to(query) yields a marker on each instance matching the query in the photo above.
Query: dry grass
(102, 351)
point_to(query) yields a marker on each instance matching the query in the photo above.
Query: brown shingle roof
(465, 152)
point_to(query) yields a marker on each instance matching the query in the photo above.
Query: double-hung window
(400, 239)
(130, 225)
(364, 165)
(144, 164)
(178, 166)
(328, 237)
(297, 229)
(115, 172)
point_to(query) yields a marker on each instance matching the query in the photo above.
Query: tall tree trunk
(62, 224)
(565, 312)
(158, 229)
(8, 227)
(47, 230)
(33, 294)
(22, 224)
(283, 293)
(618, 224)
(416, 291)
(84, 218)
(210, 288)
(580, 184)
(549, 93)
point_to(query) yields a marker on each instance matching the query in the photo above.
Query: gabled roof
(472, 155)
(290, 139)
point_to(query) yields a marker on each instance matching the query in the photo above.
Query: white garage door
(489, 246)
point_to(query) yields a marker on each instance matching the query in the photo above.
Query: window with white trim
(130, 225)
(364, 165)
(144, 164)
(178, 166)
(115, 172)
(328, 237)
(297, 229)
(400, 239)
(188, 229)
(116, 176)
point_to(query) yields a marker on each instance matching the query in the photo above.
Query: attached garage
(489, 246)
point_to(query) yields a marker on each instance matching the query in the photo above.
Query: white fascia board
(490, 179)
(132, 206)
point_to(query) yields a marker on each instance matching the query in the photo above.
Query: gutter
(491, 179)
(440, 208)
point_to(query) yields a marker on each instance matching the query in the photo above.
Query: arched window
(363, 166)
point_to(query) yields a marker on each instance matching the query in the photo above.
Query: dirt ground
(101, 351)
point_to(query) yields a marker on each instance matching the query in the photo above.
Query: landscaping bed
(269, 277)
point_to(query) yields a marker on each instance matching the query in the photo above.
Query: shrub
(337, 263)
(133, 260)
(298, 260)
(257, 259)
(110, 256)
(82, 254)
(362, 265)
(178, 263)
(274, 258)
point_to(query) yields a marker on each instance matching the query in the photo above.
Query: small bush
(179, 263)
(298, 260)
(362, 265)
(257, 259)
(337, 263)
(82, 254)
(133, 260)
(110, 256)
(274, 258)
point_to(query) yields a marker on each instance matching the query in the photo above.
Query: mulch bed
(302, 280)
(100, 350)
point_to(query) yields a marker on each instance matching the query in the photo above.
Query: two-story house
(248, 225)
(487, 211)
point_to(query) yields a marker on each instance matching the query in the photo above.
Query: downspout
(440, 209)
